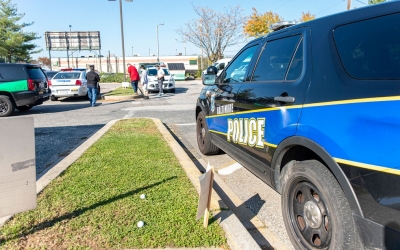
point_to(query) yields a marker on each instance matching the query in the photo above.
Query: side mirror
(210, 76)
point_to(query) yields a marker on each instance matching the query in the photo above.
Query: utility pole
(348, 4)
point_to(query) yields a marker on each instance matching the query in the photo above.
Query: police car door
(270, 102)
(222, 99)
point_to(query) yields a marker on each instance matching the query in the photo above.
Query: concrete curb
(238, 237)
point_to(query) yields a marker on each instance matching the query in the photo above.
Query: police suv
(313, 110)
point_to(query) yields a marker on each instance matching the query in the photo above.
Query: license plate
(63, 91)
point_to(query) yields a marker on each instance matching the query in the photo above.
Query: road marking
(186, 124)
(230, 169)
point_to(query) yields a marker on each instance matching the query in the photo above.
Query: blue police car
(312, 109)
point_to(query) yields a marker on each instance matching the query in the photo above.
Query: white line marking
(230, 169)
(186, 124)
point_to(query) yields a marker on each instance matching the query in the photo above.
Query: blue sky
(142, 17)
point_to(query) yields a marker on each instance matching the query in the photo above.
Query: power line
(361, 2)
(330, 7)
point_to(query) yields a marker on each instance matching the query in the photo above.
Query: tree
(375, 1)
(214, 32)
(306, 17)
(258, 25)
(44, 61)
(15, 43)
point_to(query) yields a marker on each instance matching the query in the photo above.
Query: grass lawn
(96, 204)
(120, 91)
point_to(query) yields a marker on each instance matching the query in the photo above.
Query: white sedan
(68, 84)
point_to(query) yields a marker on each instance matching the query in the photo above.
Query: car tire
(7, 106)
(315, 210)
(24, 108)
(203, 136)
(53, 98)
(172, 90)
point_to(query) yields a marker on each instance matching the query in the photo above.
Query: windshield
(50, 74)
(153, 72)
(67, 75)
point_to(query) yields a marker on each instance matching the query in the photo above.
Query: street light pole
(132, 50)
(72, 54)
(158, 46)
(122, 37)
(122, 34)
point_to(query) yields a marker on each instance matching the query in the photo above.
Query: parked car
(168, 84)
(220, 65)
(68, 84)
(50, 73)
(316, 116)
(22, 86)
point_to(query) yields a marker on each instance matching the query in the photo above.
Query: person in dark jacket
(93, 80)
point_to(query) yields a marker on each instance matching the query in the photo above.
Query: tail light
(31, 84)
(49, 83)
(78, 82)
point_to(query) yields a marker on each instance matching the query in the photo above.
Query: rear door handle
(285, 99)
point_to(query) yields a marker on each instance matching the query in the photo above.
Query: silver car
(68, 84)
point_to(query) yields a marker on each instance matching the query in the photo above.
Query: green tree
(257, 25)
(375, 1)
(15, 44)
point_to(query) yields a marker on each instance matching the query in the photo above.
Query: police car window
(370, 49)
(235, 72)
(296, 65)
(275, 59)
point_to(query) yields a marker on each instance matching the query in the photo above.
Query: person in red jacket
(134, 75)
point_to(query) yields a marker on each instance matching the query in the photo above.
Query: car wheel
(203, 136)
(6, 106)
(24, 108)
(172, 90)
(315, 210)
(53, 98)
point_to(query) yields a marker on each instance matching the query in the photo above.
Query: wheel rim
(3, 107)
(309, 215)
(201, 132)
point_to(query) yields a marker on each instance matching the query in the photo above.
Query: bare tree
(213, 32)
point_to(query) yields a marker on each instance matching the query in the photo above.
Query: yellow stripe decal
(368, 166)
(270, 145)
(363, 100)
(217, 132)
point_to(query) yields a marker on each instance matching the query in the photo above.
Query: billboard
(75, 40)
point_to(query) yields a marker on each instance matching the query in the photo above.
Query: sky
(140, 20)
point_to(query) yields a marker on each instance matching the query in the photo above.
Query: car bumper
(166, 86)
(31, 98)
(63, 91)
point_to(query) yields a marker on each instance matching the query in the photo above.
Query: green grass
(95, 203)
(120, 91)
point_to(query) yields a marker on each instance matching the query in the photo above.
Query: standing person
(93, 80)
(134, 75)
(160, 77)
(145, 81)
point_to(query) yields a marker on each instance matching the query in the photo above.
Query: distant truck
(220, 65)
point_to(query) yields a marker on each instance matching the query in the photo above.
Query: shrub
(112, 77)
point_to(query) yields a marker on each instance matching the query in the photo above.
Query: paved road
(62, 126)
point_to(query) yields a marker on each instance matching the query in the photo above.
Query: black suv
(22, 86)
(313, 110)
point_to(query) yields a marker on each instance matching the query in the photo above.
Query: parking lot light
(122, 35)
(158, 46)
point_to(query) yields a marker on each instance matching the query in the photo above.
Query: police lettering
(225, 109)
(246, 131)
